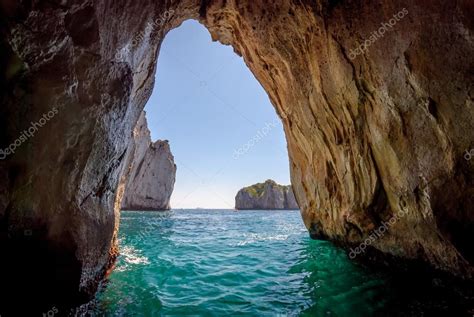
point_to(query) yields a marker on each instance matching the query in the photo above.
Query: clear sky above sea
(223, 131)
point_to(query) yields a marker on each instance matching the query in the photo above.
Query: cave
(373, 129)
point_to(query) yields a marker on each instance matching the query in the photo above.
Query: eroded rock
(368, 135)
(152, 172)
(266, 196)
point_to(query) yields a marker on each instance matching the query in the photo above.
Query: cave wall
(372, 137)
(369, 136)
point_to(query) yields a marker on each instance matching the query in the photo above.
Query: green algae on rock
(268, 195)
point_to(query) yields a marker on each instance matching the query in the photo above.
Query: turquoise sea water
(222, 262)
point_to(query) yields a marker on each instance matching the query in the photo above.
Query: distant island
(266, 196)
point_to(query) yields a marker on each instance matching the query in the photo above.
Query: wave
(130, 255)
(257, 237)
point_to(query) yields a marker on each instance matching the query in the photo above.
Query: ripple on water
(214, 263)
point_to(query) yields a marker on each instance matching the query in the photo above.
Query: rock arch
(370, 134)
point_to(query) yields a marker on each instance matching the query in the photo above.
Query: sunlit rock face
(371, 133)
(266, 196)
(152, 172)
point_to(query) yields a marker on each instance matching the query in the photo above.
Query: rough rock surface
(152, 172)
(268, 195)
(369, 135)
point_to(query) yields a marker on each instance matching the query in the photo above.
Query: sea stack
(152, 172)
(268, 195)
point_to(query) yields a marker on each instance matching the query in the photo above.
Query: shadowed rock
(369, 135)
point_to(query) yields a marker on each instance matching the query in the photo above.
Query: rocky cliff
(375, 97)
(268, 195)
(152, 172)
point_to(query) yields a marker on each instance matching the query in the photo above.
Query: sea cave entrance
(220, 128)
(351, 125)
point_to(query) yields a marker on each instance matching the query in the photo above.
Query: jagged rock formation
(152, 172)
(371, 133)
(268, 195)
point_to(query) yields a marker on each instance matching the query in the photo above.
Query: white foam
(255, 237)
(132, 256)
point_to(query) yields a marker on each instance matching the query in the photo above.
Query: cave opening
(210, 117)
(209, 121)
(383, 117)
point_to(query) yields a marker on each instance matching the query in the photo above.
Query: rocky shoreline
(266, 196)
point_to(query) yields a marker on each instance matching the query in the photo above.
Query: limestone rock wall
(372, 131)
(152, 172)
(265, 196)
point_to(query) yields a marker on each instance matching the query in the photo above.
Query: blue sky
(209, 105)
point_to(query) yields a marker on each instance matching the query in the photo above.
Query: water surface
(218, 262)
